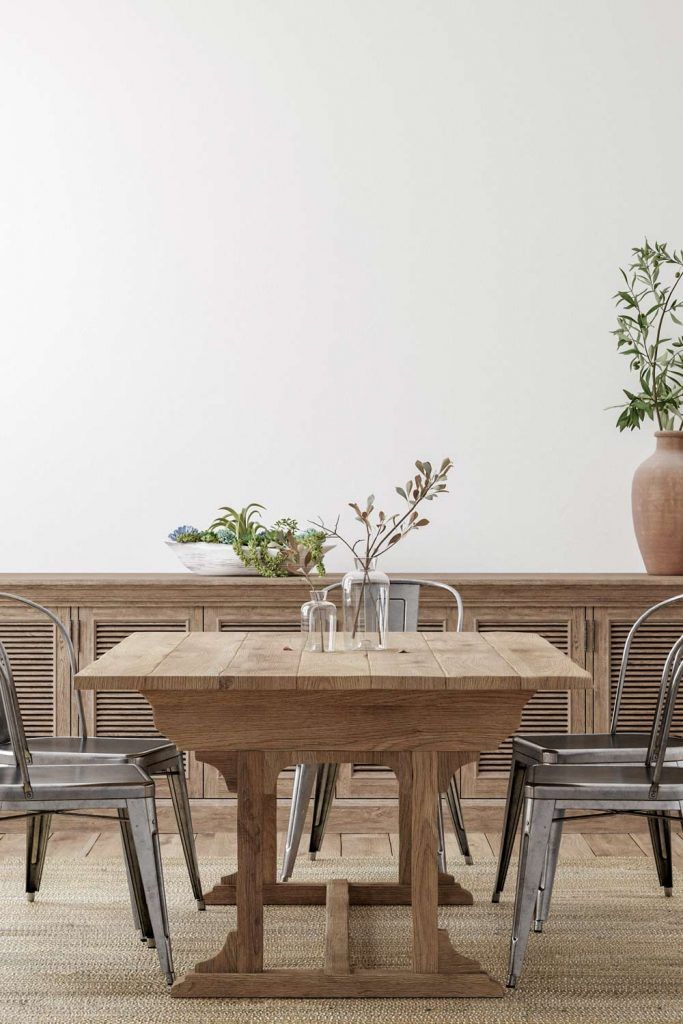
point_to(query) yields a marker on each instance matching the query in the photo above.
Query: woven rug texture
(612, 952)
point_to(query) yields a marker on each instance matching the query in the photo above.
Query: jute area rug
(612, 952)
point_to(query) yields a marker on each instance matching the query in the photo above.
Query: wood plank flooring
(75, 844)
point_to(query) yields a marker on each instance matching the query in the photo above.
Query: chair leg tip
(511, 982)
(668, 891)
(201, 905)
(30, 896)
(151, 944)
(495, 898)
(538, 926)
(313, 854)
(468, 859)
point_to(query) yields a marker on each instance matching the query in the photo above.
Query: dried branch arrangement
(383, 532)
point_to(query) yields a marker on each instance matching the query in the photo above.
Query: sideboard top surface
(537, 589)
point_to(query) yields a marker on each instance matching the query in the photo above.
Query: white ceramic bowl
(210, 559)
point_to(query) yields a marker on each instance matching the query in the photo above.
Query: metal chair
(404, 599)
(593, 748)
(154, 755)
(653, 788)
(40, 791)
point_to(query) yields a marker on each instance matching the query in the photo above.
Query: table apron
(353, 720)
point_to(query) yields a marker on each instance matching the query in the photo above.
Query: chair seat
(145, 751)
(601, 782)
(77, 782)
(592, 748)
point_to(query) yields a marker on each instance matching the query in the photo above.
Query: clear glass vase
(319, 622)
(365, 596)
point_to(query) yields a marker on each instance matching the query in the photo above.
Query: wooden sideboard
(585, 615)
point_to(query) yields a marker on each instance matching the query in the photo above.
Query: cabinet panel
(40, 667)
(125, 713)
(550, 711)
(648, 653)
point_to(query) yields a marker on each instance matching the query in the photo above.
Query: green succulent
(242, 523)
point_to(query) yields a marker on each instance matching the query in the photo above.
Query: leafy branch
(384, 532)
(650, 309)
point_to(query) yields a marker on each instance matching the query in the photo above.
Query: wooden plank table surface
(253, 703)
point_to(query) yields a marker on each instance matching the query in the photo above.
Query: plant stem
(656, 348)
(403, 518)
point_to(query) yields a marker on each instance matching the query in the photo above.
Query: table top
(273, 661)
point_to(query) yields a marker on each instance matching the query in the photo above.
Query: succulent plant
(268, 550)
(185, 535)
(224, 535)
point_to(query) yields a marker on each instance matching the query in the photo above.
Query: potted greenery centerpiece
(648, 333)
(238, 544)
(365, 590)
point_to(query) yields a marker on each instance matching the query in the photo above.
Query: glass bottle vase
(365, 597)
(319, 623)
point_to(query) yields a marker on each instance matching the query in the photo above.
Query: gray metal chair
(404, 602)
(38, 792)
(653, 788)
(154, 755)
(593, 748)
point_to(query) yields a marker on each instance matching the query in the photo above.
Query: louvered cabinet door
(40, 667)
(549, 711)
(650, 647)
(256, 619)
(125, 713)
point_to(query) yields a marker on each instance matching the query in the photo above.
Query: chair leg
(304, 777)
(441, 845)
(181, 805)
(325, 782)
(660, 834)
(143, 823)
(538, 816)
(141, 920)
(455, 807)
(37, 835)
(548, 877)
(513, 810)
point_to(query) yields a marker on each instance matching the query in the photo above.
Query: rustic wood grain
(468, 660)
(337, 927)
(423, 862)
(538, 664)
(275, 661)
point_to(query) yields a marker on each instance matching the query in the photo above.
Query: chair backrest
(623, 670)
(663, 717)
(73, 664)
(404, 603)
(13, 720)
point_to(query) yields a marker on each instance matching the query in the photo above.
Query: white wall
(276, 249)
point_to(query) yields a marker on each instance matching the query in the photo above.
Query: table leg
(424, 791)
(404, 772)
(250, 807)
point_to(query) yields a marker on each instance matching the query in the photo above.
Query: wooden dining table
(253, 703)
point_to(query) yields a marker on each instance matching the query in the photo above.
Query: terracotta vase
(657, 503)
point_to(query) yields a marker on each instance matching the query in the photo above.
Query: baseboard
(348, 816)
